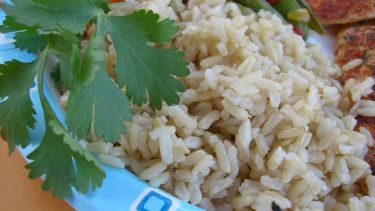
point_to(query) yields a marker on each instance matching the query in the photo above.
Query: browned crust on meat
(370, 158)
(353, 42)
(342, 11)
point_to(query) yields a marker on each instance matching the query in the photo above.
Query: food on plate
(256, 97)
(296, 12)
(355, 53)
(342, 11)
(262, 123)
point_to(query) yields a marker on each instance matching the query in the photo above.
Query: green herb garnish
(56, 28)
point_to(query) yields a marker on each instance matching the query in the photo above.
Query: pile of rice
(262, 120)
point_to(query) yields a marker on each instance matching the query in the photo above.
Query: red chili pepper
(297, 30)
(273, 1)
(114, 1)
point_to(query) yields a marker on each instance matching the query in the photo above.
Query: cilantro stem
(99, 22)
(68, 164)
(40, 77)
(43, 58)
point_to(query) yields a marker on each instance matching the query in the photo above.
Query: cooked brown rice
(262, 120)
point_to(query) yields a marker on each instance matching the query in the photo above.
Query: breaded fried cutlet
(358, 42)
(342, 11)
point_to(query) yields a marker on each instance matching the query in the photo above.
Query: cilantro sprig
(55, 28)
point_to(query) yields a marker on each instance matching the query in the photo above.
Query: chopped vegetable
(296, 12)
(273, 1)
(96, 103)
(300, 15)
(313, 23)
(287, 6)
(298, 30)
(259, 5)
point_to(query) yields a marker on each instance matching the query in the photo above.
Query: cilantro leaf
(147, 72)
(50, 156)
(103, 4)
(26, 38)
(84, 68)
(55, 158)
(10, 25)
(16, 109)
(103, 99)
(51, 14)
(61, 45)
(144, 70)
(95, 97)
(30, 40)
(60, 158)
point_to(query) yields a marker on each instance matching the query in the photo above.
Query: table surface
(18, 192)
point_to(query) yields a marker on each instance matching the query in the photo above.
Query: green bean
(244, 10)
(286, 6)
(313, 23)
(300, 15)
(258, 5)
(283, 8)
